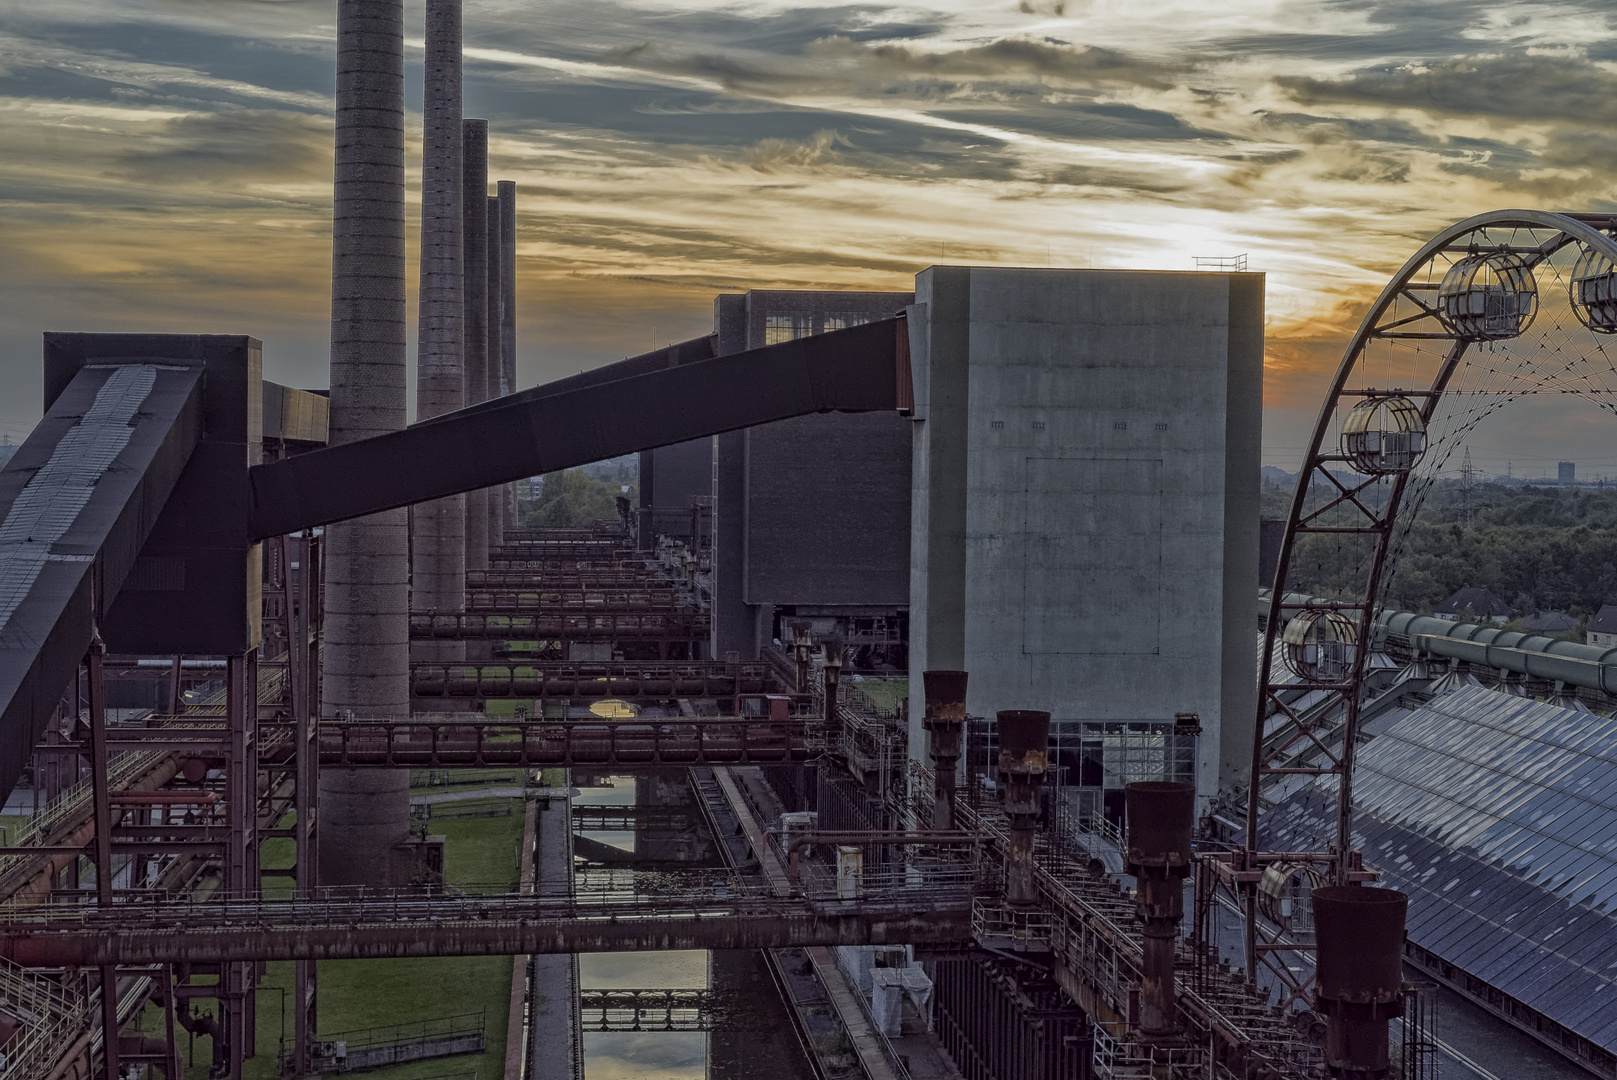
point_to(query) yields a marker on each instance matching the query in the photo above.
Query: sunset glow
(167, 162)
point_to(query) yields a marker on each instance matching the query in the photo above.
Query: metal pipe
(1161, 818)
(1359, 986)
(833, 682)
(100, 781)
(801, 840)
(1024, 748)
(944, 720)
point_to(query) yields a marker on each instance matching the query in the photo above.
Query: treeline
(574, 499)
(1537, 549)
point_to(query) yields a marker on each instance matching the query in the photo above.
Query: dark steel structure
(560, 425)
(1024, 740)
(1359, 985)
(1161, 819)
(945, 724)
(1443, 321)
(558, 679)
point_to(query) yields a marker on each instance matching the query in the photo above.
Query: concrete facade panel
(1080, 469)
(1092, 572)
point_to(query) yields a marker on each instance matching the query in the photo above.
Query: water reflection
(664, 1055)
(667, 832)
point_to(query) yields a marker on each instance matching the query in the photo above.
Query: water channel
(752, 1035)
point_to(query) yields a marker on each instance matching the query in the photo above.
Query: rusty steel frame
(1240, 870)
(357, 923)
(422, 743)
(141, 825)
(671, 627)
(584, 679)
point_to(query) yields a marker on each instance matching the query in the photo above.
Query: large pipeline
(1536, 656)
(31, 883)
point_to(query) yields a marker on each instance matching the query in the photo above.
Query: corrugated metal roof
(1498, 816)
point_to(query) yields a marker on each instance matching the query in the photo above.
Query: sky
(165, 165)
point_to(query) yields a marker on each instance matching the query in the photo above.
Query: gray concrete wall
(1085, 516)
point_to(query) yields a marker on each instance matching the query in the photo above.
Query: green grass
(479, 853)
(886, 693)
(13, 824)
(463, 778)
(506, 708)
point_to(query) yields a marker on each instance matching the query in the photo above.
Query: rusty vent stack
(1360, 937)
(1161, 818)
(945, 722)
(1024, 748)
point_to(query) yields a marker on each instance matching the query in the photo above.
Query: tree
(574, 499)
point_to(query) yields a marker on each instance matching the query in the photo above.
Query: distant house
(1602, 628)
(1549, 622)
(1473, 603)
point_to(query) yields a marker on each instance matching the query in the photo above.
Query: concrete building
(1085, 502)
(810, 516)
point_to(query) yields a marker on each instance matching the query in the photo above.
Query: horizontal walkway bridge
(448, 741)
(714, 910)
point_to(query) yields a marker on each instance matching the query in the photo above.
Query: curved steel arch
(1301, 744)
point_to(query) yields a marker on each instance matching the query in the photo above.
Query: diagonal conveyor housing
(77, 501)
(633, 405)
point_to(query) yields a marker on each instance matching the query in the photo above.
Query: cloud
(246, 146)
(838, 62)
(1516, 85)
(1056, 62)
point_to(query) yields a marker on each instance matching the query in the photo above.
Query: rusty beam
(634, 743)
(773, 927)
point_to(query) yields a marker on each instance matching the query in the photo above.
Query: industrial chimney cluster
(379, 566)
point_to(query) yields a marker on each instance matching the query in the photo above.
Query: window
(782, 326)
(1121, 425)
(1038, 425)
(1161, 426)
(996, 424)
(841, 320)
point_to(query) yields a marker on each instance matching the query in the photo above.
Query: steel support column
(101, 793)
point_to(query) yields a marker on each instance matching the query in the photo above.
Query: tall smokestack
(438, 548)
(496, 357)
(474, 187)
(508, 319)
(366, 669)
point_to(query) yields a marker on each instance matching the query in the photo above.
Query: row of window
(782, 326)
